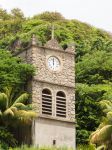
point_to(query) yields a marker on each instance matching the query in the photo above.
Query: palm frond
(26, 115)
(14, 109)
(101, 135)
(101, 147)
(31, 114)
(3, 101)
(0, 113)
(31, 107)
(18, 109)
(8, 112)
(106, 104)
(7, 91)
(19, 105)
(105, 133)
(109, 115)
(94, 137)
(22, 98)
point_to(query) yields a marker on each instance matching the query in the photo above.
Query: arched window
(46, 102)
(61, 104)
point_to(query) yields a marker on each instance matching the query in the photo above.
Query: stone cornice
(57, 119)
(59, 50)
(43, 47)
(43, 81)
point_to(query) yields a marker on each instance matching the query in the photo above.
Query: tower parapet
(34, 41)
(70, 48)
(53, 44)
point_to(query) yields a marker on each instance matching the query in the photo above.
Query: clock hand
(53, 61)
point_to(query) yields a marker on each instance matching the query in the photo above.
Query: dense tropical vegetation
(93, 60)
(15, 107)
(13, 72)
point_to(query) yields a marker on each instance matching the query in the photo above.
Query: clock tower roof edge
(53, 44)
(34, 41)
(71, 48)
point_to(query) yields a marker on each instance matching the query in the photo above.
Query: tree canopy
(13, 72)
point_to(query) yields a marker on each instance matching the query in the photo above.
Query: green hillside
(93, 58)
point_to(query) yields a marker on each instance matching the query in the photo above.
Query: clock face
(53, 63)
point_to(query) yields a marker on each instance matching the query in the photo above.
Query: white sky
(94, 12)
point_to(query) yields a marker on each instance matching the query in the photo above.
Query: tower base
(50, 132)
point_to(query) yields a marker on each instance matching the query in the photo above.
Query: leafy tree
(9, 27)
(4, 15)
(94, 68)
(88, 112)
(6, 139)
(13, 72)
(50, 16)
(17, 14)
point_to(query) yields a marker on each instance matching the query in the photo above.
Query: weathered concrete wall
(47, 130)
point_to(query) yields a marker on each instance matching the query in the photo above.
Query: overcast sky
(94, 12)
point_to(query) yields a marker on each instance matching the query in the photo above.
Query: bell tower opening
(46, 102)
(61, 104)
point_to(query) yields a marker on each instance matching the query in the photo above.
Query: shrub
(25, 147)
(6, 139)
(85, 147)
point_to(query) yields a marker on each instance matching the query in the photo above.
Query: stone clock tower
(52, 90)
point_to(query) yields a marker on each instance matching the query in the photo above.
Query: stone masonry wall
(69, 92)
(63, 80)
(65, 76)
(46, 128)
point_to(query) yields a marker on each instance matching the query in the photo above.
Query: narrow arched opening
(46, 102)
(61, 104)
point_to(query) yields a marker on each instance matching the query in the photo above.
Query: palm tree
(17, 109)
(103, 135)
